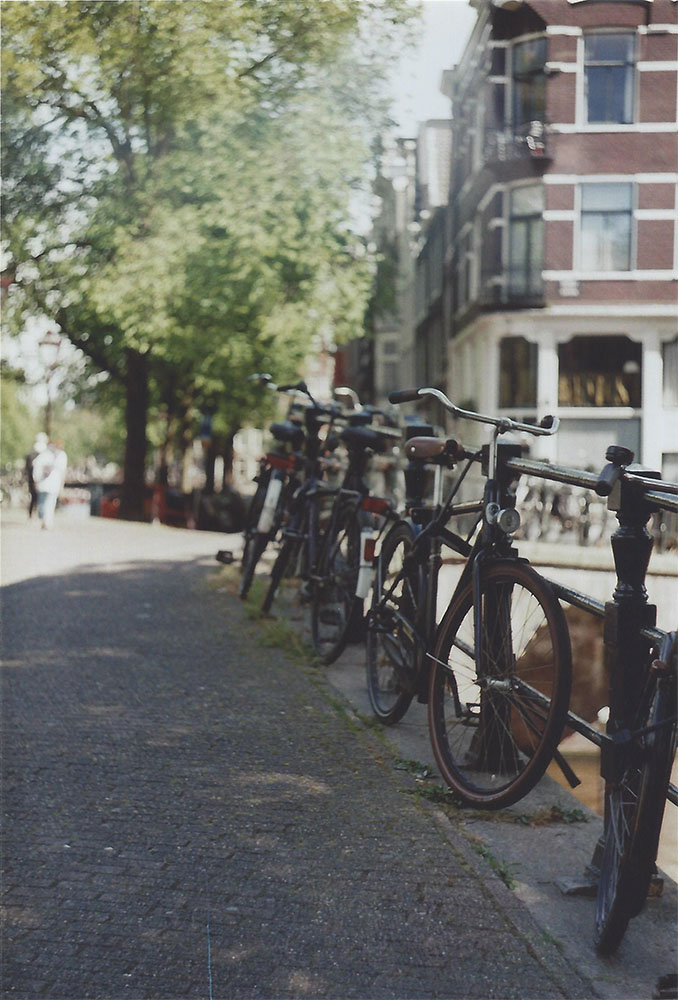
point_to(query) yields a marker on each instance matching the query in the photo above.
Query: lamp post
(49, 349)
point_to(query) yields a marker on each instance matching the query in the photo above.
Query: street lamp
(49, 349)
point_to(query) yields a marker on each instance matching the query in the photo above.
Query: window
(529, 82)
(609, 73)
(517, 373)
(599, 371)
(526, 241)
(670, 373)
(606, 218)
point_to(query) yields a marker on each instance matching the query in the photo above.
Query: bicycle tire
(392, 645)
(253, 513)
(494, 730)
(334, 602)
(286, 556)
(255, 550)
(634, 809)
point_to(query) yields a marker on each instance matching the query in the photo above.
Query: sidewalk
(190, 813)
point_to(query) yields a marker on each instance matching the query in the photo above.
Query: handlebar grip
(403, 396)
(301, 386)
(607, 478)
(548, 421)
(618, 457)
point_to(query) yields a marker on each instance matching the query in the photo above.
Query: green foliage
(18, 421)
(179, 178)
(89, 433)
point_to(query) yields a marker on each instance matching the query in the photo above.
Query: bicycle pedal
(225, 556)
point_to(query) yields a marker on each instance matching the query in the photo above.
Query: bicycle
(639, 744)
(276, 471)
(301, 533)
(333, 548)
(496, 672)
(342, 575)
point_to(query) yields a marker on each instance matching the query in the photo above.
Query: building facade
(559, 280)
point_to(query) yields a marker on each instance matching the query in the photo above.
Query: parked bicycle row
(495, 670)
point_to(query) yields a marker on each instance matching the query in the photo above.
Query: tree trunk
(186, 436)
(136, 416)
(210, 454)
(228, 461)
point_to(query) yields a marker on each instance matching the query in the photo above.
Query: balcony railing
(528, 142)
(514, 287)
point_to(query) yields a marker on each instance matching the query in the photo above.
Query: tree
(19, 423)
(189, 232)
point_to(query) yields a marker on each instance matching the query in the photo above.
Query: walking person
(49, 473)
(39, 446)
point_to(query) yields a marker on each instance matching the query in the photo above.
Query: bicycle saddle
(366, 437)
(288, 432)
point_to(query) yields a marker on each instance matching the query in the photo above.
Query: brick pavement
(189, 814)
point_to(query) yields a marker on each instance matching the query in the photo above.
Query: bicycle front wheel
(634, 809)
(392, 643)
(287, 557)
(253, 553)
(334, 607)
(255, 508)
(496, 713)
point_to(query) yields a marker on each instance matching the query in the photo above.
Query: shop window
(599, 371)
(517, 373)
(606, 226)
(526, 241)
(609, 74)
(529, 82)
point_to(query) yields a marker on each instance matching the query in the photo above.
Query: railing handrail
(662, 494)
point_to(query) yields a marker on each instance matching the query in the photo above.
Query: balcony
(506, 145)
(514, 288)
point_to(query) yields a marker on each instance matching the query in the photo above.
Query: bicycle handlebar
(403, 396)
(548, 426)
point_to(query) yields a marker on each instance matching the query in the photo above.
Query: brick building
(560, 265)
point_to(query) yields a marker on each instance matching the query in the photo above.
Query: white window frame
(633, 248)
(581, 110)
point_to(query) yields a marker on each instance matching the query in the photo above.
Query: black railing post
(628, 611)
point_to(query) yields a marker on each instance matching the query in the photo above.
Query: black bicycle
(302, 514)
(638, 748)
(342, 576)
(496, 672)
(275, 480)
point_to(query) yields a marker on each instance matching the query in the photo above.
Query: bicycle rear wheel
(495, 719)
(392, 644)
(334, 606)
(634, 809)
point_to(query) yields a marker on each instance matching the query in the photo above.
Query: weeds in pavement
(414, 767)
(274, 633)
(501, 868)
(548, 816)
(550, 939)
(434, 793)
